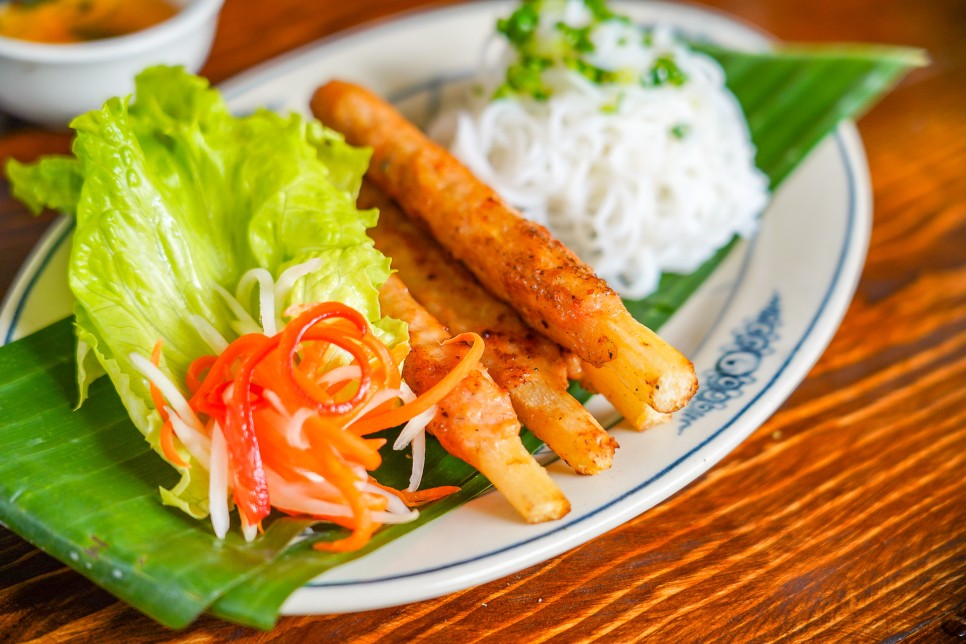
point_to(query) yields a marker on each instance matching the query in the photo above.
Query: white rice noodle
(218, 483)
(215, 340)
(656, 187)
(266, 297)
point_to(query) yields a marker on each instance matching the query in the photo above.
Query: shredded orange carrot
(388, 371)
(156, 396)
(283, 413)
(405, 413)
(350, 445)
(419, 497)
(167, 429)
(341, 476)
(167, 445)
(429, 494)
(193, 379)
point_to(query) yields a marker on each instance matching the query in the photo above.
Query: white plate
(753, 330)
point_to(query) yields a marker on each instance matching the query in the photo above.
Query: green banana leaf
(83, 485)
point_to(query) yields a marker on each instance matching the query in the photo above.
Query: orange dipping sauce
(74, 21)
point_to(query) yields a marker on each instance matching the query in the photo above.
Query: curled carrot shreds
(419, 497)
(167, 429)
(289, 419)
(251, 484)
(349, 444)
(167, 445)
(342, 477)
(306, 325)
(200, 365)
(405, 413)
(388, 370)
(156, 396)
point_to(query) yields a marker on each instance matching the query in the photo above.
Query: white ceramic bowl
(51, 84)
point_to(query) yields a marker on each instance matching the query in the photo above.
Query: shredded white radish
(286, 281)
(168, 389)
(294, 428)
(320, 486)
(377, 399)
(293, 424)
(406, 393)
(340, 374)
(312, 494)
(394, 504)
(241, 327)
(244, 322)
(271, 298)
(186, 424)
(361, 474)
(197, 443)
(415, 426)
(296, 498)
(419, 461)
(215, 340)
(266, 297)
(248, 531)
(218, 483)
(414, 433)
(275, 401)
(393, 517)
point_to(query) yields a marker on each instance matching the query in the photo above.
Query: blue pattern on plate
(735, 369)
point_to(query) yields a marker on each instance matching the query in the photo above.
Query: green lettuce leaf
(173, 195)
(56, 183)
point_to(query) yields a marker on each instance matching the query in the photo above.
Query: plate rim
(808, 350)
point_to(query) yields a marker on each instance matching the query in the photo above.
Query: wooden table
(842, 518)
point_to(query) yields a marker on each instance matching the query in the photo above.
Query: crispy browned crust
(517, 260)
(529, 366)
(476, 421)
(453, 296)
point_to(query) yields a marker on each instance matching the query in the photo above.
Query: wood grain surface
(843, 518)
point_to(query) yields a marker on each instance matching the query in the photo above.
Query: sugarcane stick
(475, 422)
